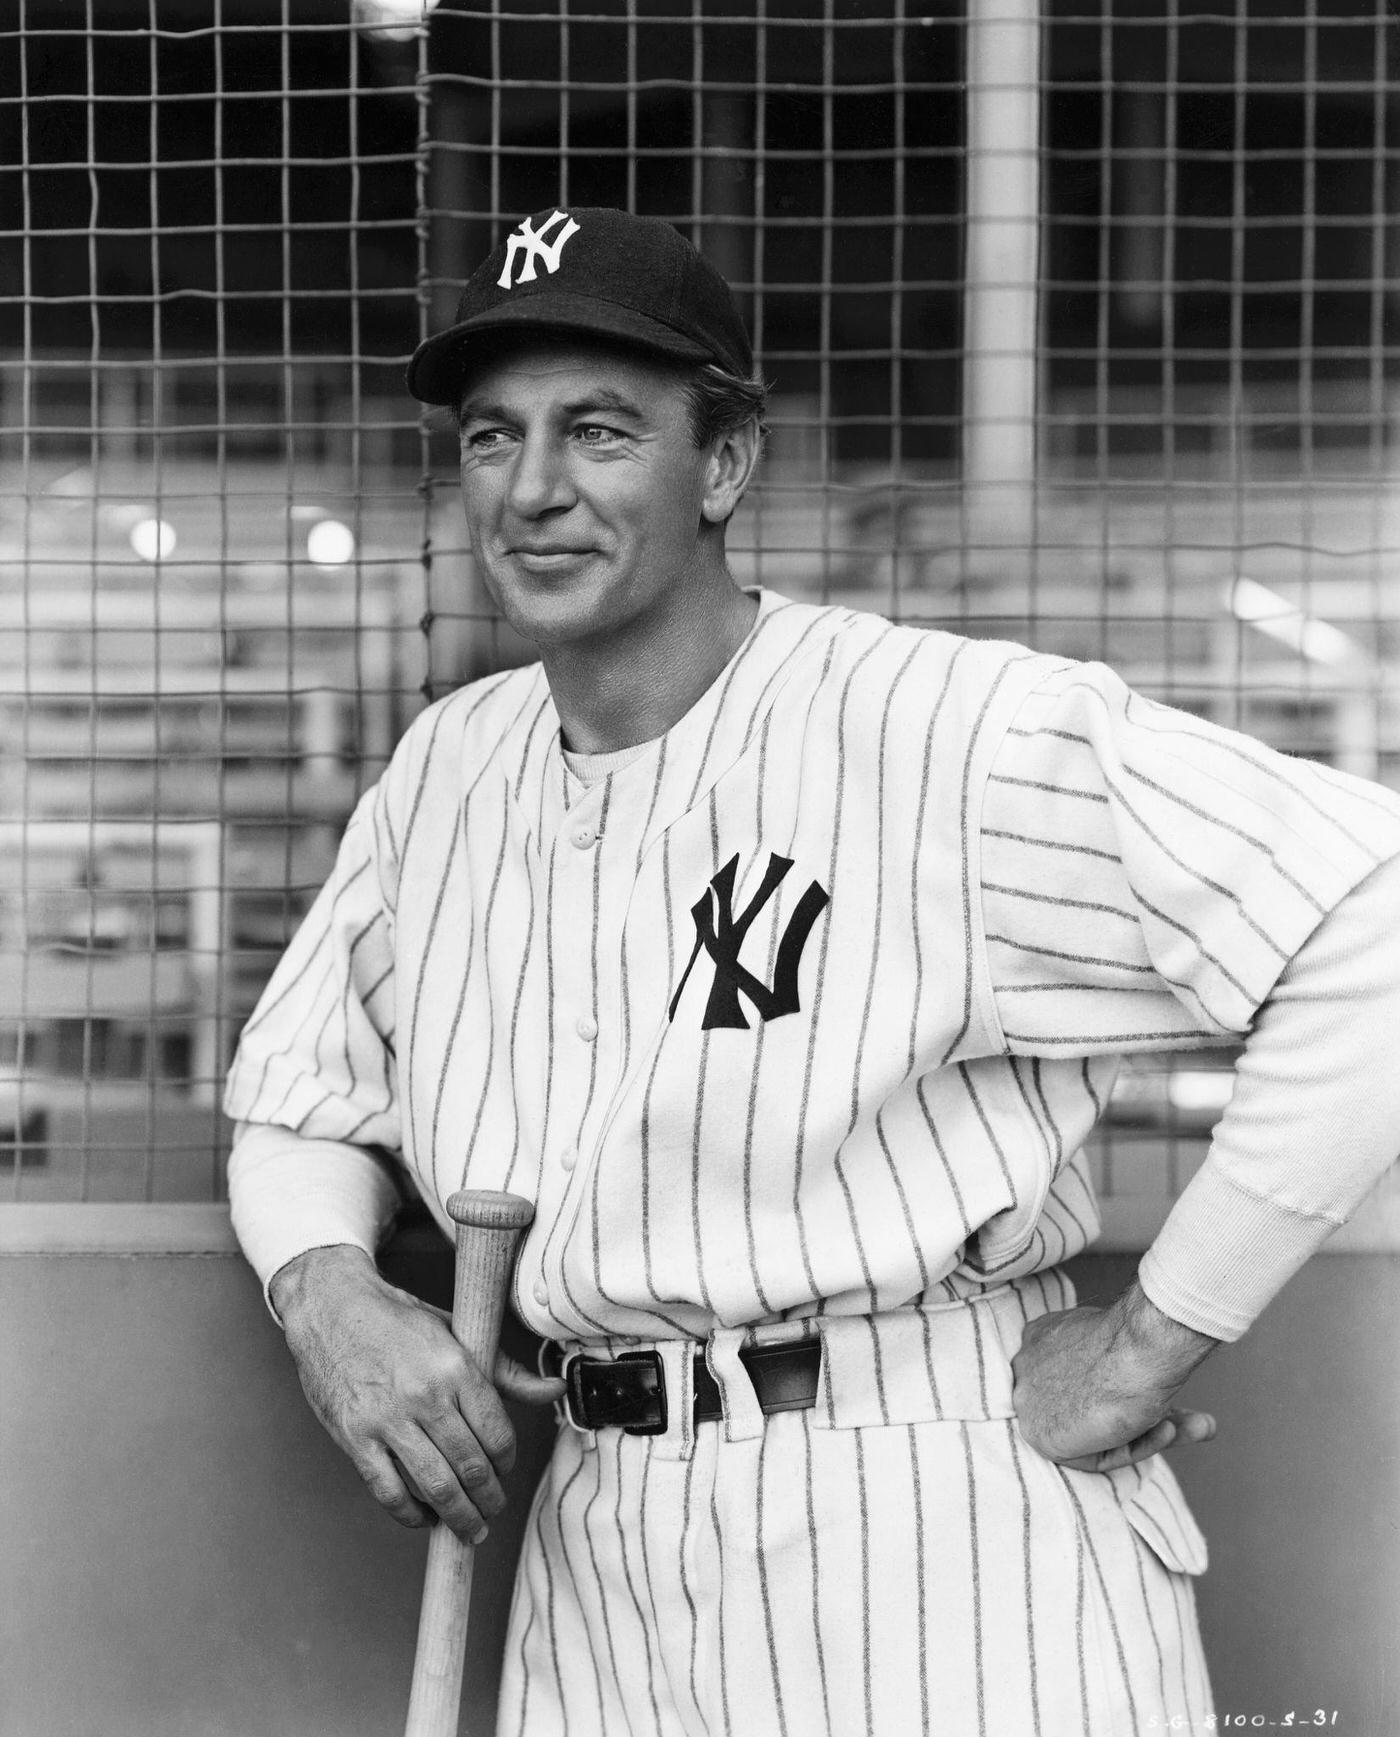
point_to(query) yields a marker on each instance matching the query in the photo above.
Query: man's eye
(597, 434)
(484, 439)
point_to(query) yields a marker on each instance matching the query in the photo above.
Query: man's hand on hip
(421, 1423)
(1093, 1388)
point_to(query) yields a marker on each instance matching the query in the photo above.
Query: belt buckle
(576, 1377)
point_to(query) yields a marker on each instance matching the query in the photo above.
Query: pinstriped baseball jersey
(808, 1007)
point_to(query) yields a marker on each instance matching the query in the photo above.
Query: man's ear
(728, 469)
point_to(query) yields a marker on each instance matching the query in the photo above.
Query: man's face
(583, 490)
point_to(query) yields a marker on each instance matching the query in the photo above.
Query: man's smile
(548, 557)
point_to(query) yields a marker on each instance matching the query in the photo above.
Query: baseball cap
(592, 270)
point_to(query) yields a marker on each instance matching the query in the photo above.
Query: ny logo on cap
(534, 246)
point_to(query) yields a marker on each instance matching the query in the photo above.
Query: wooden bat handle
(488, 1228)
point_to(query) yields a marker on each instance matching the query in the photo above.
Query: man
(784, 957)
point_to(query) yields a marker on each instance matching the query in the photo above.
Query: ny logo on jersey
(532, 243)
(722, 934)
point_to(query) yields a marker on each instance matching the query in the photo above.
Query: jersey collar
(677, 770)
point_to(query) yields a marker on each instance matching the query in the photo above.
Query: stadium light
(153, 539)
(330, 544)
(1311, 637)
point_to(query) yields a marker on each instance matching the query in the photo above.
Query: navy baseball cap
(598, 272)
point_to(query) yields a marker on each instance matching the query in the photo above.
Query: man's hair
(720, 402)
(717, 402)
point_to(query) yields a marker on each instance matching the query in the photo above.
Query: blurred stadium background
(1082, 325)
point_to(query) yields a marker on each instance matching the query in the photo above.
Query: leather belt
(629, 1392)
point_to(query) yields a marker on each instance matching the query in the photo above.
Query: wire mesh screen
(211, 542)
(1081, 331)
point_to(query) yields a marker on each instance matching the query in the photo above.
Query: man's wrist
(1167, 1346)
(307, 1274)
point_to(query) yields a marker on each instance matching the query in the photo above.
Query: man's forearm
(1162, 1347)
(307, 1277)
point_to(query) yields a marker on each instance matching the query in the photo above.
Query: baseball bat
(489, 1226)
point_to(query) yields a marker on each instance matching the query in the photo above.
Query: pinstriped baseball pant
(833, 1571)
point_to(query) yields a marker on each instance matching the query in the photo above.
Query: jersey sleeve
(316, 1056)
(313, 1081)
(1150, 881)
(1313, 1125)
(1146, 875)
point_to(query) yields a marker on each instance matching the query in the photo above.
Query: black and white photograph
(699, 868)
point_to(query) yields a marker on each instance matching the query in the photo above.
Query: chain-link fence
(1081, 327)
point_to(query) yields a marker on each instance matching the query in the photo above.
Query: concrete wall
(183, 1554)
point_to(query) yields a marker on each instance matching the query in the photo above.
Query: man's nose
(540, 481)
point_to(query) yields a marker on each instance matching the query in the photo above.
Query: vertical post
(1142, 244)
(461, 190)
(208, 940)
(1001, 296)
(728, 193)
(1357, 723)
(458, 238)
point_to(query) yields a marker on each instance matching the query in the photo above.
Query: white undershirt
(593, 768)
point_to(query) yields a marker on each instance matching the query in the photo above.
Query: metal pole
(1001, 306)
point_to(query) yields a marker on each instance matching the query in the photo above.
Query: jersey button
(587, 1027)
(584, 836)
(541, 1293)
(568, 1158)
